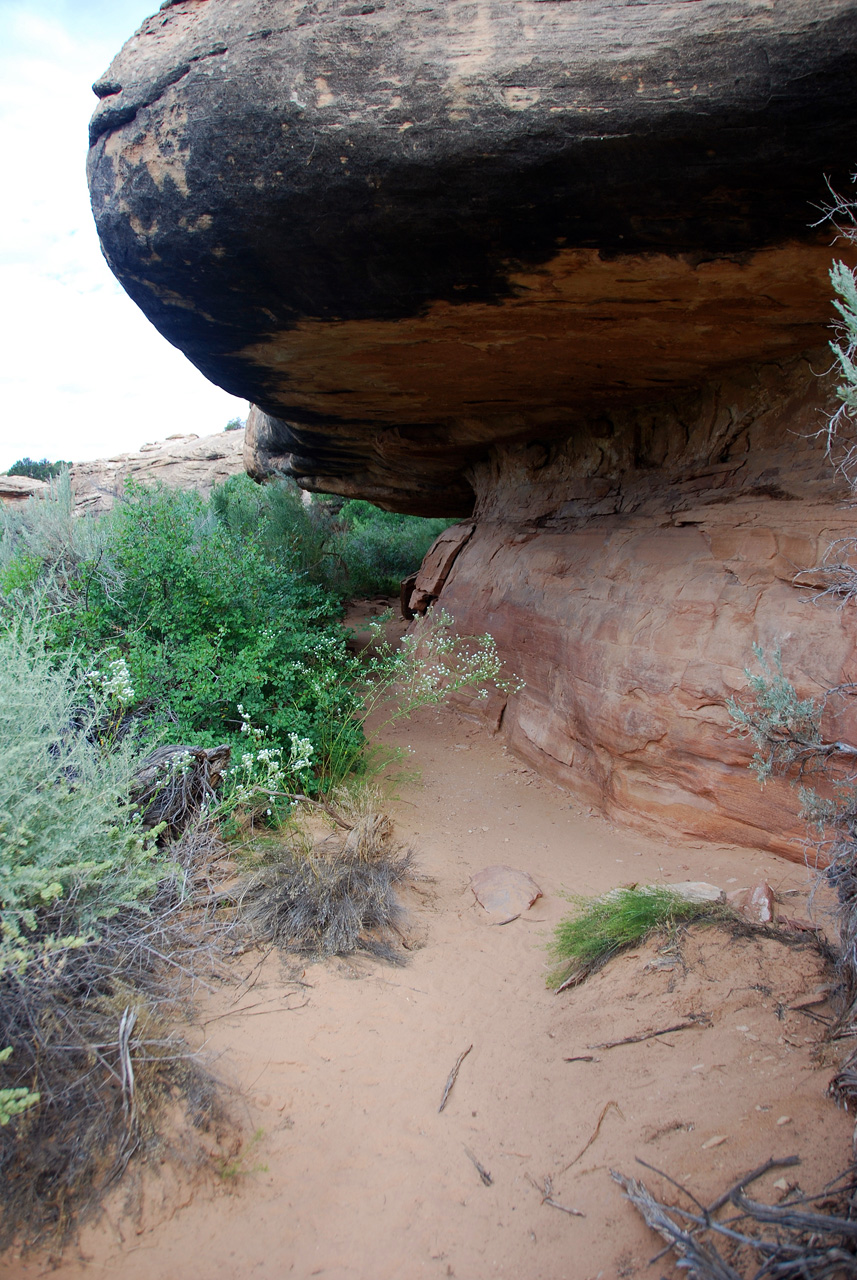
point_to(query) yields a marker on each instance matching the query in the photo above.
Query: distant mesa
(179, 462)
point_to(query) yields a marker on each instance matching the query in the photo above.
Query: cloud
(82, 372)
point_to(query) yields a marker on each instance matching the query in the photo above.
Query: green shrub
(351, 549)
(208, 613)
(41, 470)
(226, 614)
(785, 729)
(380, 548)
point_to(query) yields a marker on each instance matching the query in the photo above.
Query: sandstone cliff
(629, 570)
(547, 265)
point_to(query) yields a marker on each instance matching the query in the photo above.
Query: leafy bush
(41, 470)
(380, 548)
(205, 609)
(226, 603)
(351, 549)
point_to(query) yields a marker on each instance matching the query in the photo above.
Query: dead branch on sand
(546, 1193)
(696, 1020)
(799, 1244)
(595, 1132)
(480, 1169)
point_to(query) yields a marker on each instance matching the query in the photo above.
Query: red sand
(354, 1174)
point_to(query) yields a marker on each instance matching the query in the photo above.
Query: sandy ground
(348, 1171)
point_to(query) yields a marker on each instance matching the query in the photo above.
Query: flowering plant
(265, 781)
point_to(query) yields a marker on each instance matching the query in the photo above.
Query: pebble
(784, 1120)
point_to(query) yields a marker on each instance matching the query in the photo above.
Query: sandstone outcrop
(15, 489)
(548, 267)
(628, 571)
(179, 462)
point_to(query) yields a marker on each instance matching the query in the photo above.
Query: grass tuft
(335, 897)
(604, 926)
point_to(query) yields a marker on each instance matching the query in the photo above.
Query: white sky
(82, 372)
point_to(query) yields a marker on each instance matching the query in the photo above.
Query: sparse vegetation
(334, 897)
(92, 936)
(787, 730)
(603, 927)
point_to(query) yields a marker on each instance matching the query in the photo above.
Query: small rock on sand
(756, 904)
(504, 892)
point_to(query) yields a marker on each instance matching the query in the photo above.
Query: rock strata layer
(407, 231)
(627, 573)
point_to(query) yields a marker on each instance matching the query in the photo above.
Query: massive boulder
(545, 264)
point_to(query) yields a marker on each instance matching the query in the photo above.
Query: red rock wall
(626, 575)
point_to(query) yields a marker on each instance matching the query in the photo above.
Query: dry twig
(546, 1193)
(696, 1020)
(786, 1162)
(453, 1076)
(595, 1132)
(803, 1245)
(480, 1169)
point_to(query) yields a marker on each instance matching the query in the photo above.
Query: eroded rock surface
(626, 574)
(17, 489)
(409, 230)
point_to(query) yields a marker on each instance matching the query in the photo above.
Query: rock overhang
(411, 232)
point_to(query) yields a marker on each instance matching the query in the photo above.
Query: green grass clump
(607, 925)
